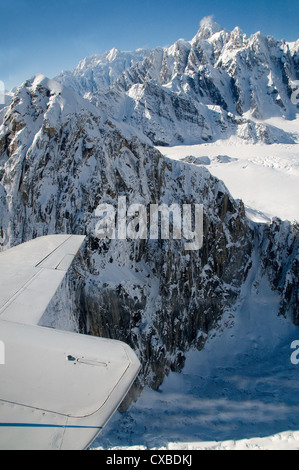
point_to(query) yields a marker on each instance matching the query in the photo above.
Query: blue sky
(46, 36)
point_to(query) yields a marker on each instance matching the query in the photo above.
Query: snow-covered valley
(264, 176)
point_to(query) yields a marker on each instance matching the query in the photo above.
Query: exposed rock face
(280, 259)
(153, 294)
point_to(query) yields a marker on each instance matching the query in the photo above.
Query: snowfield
(264, 176)
(241, 391)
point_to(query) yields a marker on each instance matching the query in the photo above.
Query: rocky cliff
(280, 259)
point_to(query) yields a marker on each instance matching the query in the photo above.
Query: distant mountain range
(217, 85)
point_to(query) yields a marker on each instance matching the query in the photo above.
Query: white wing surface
(31, 273)
(57, 389)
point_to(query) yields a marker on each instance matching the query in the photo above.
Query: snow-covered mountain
(219, 84)
(86, 138)
(99, 72)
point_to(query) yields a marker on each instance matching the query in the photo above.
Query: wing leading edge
(31, 274)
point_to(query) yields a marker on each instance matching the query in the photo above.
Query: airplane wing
(57, 389)
(31, 273)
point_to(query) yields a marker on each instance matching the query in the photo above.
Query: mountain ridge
(219, 84)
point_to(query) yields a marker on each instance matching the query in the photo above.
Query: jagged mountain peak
(39, 109)
(40, 80)
(52, 94)
(238, 34)
(208, 27)
(112, 54)
(98, 72)
(208, 23)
